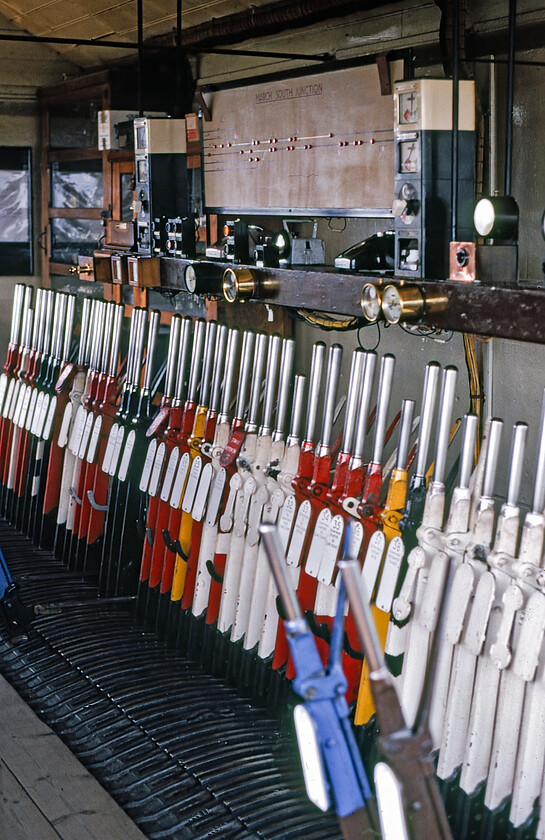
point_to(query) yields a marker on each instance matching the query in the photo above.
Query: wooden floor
(45, 793)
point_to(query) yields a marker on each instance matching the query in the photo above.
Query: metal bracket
(384, 75)
(74, 495)
(173, 545)
(94, 504)
(213, 573)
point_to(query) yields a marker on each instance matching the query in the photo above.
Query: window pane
(70, 237)
(76, 184)
(74, 125)
(127, 195)
(15, 211)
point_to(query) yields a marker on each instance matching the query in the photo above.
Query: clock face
(230, 285)
(408, 108)
(409, 156)
(370, 302)
(190, 279)
(392, 305)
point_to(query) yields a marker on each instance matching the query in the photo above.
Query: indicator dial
(370, 302)
(190, 279)
(409, 156)
(402, 304)
(407, 205)
(238, 284)
(408, 108)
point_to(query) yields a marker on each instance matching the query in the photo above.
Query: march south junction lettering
(292, 92)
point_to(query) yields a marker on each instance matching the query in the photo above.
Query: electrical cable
(475, 385)
(327, 322)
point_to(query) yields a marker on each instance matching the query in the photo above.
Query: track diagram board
(320, 143)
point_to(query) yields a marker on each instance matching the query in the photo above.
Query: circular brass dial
(371, 303)
(239, 284)
(403, 303)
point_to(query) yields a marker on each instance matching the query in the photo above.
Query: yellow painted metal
(391, 516)
(186, 526)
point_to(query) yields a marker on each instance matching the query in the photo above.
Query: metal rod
(471, 423)
(219, 366)
(296, 410)
(316, 367)
(405, 425)
(332, 381)
(518, 443)
(116, 338)
(365, 400)
(153, 329)
(383, 401)
(196, 359)
(361, 613)
(229, 374)
(246, 358)
(492, 454)
(131, 45)
(179, 59)
(448, 392)
(538, 500)
(455, 112)
(69, 326)
(172, 355)
(286, 365)
(140, 70)
(273, 550)
(260, 356)
(183, 353)
(207, 362)
(354, 389)
(510, 87)
(426, 416)
(270, 393)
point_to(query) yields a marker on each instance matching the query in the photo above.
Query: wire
(428, 332)
(360, 344)
(475, 385)
(327, 322)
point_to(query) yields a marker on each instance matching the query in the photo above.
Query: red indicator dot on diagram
(208, 154)
(228, 145)
(214, 146)
(330, 134)
(372, 141)
(308, 146)
(241, 152)
(221, 146)
(358, 142)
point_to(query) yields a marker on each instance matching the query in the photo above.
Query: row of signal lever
(162, 499)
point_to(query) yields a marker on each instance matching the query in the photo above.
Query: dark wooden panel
(486, 310)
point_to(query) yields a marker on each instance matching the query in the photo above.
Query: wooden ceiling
(111, 20)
